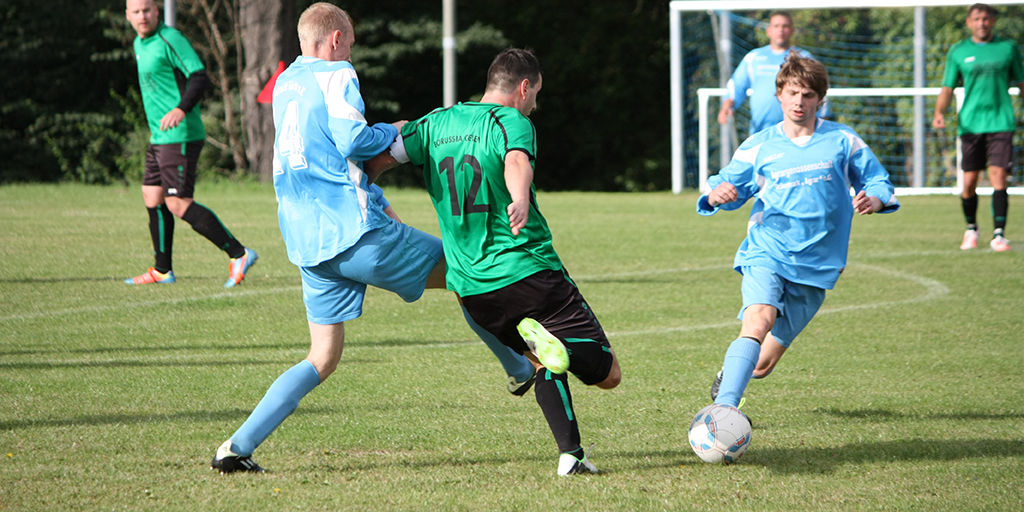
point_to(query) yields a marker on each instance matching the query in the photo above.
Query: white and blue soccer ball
(720, 434)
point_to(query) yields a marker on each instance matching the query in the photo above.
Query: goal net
(870, 56)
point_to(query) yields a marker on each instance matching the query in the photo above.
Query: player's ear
(524, 87)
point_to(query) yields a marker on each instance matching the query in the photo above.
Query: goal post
(910, 126)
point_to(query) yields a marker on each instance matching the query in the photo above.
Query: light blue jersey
(756, 73)
(324, 201)
(800, 222)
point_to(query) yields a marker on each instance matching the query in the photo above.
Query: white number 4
(289, 143)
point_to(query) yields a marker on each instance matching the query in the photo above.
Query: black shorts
(551, 298)
(975, 147)
(173, 167)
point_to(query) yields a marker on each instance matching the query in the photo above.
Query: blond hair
(319, 21)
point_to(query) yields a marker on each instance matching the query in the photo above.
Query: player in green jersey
(172, 80)
(478, 161)
(987, 65)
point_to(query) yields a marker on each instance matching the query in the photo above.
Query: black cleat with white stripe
(227, 461)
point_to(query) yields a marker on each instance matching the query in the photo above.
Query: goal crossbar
(705, 94)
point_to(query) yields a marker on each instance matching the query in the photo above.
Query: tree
(268, 34)
(221, 49)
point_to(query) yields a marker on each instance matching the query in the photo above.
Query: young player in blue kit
(800, 172)
(337, 227)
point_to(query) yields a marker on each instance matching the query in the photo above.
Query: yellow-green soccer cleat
(549, 350)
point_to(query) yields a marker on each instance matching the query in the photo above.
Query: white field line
(933, 290)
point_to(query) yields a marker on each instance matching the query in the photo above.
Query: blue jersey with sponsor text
(800, 222)
(756, 73)
(325, 203)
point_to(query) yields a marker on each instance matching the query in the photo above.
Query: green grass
(903, 394)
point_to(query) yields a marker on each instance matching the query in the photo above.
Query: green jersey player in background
(987, 65)
(478, 162)
(172, 80)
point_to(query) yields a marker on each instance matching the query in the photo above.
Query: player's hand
(172, 119)
(399, 124)
(518, 214)
(723, 193)
(865, 204)
(939, 121)
(724, 115)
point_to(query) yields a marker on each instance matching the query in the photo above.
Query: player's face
(779, 30)
(143, 15)
(981, 24)
(530, 102)
(799, 104)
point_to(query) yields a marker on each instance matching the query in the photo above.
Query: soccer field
(903, 394)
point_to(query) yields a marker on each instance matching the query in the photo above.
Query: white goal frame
(677, 7)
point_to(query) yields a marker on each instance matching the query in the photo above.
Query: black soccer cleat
(715, 385)
(520, 388)
(227, 461)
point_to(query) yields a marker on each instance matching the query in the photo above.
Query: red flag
(267, 94)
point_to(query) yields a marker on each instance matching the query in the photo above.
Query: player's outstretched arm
(518, 178)
(394, 155)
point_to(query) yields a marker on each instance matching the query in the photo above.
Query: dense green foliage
(69, 109)
(902, 394)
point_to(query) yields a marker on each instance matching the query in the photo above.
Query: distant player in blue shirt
(335, 224)
(756, 73)
(799, 173)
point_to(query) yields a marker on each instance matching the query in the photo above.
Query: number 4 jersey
(325, 203)
(462, 150)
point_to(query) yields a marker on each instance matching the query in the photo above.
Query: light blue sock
(740, 361)
(277, 404)
(514, 364)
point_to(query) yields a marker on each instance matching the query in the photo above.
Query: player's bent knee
(613, 379)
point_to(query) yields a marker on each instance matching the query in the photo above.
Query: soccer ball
(720, 434)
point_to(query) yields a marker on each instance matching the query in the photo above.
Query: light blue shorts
(797, 303)
(396, 257)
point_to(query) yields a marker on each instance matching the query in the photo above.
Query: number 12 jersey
(462, 150)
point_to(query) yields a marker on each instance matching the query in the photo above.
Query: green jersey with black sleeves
(987, 70)
(165, 61)
(462, 150)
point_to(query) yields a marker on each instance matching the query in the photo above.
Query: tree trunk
(269, 35)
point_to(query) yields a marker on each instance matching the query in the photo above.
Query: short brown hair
(804, 71)
(985, 8)
(784, 14)
(511, 67)
(319, 21)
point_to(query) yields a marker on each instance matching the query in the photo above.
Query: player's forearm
(943, 101)
(197, 83)
(518, 176)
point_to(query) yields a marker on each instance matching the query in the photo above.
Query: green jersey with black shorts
(987, 70)
(462, 150)
(165, 61)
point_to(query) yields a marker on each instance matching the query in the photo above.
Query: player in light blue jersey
(338, 228)
(800, 172)
(756, 75)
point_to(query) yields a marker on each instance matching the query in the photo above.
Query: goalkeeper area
(885, 62)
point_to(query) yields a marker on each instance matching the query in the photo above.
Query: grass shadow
(94, 420)
(804, 460)
(884, 415)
